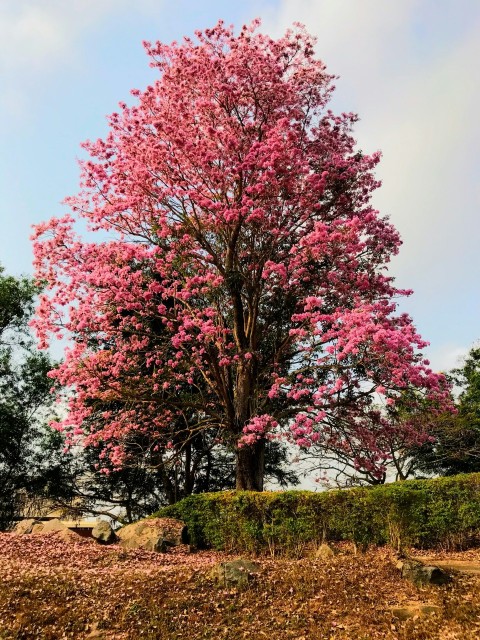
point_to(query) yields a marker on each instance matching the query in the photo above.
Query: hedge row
(425, 513)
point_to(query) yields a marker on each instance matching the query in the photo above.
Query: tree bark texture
(250, 467)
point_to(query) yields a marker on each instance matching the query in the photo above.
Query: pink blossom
(234, 250)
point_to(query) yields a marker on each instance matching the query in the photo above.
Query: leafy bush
(424, 513)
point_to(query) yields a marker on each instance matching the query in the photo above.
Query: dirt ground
(53, 589)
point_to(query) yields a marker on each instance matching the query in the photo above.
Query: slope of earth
(54, 589)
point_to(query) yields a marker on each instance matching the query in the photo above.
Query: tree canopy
(455, 444)
(24, 398)
(242, 287)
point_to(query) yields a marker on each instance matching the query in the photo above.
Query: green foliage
(456, 448)
(72, 480)
(16, 306)
(425, 513)
(24, 398)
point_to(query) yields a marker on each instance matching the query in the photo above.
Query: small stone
(429, 609)
(404, 613)
(414, 610)
(95, 633)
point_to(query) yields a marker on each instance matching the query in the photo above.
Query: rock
(50, 525)
(462, 566)
(422, 574)
(25, 526)
(103, 533)
(56, 526)
(67, 535)
(153, 534)
(47, 526)
(324, 552)
(235, 573)
(162, 545)
(414, 610)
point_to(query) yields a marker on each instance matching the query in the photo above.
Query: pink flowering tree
(242, 287)
(386, 444)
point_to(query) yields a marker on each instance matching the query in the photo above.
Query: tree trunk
(189, 473)
(250, 467)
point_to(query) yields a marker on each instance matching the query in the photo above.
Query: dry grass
(53, 589)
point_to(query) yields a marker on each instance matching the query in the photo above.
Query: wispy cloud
(38, 33)
(410, 69)
(31, 33)
(449, 356)
(40, 37)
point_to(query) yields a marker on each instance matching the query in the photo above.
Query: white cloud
(429, 135)
(38, 34)
(30, 36)
(418, 106)
(410, 69)
(39, 37)
(33, 34)
(351, 34)
(448, 356)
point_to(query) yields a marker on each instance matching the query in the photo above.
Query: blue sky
(409, 68)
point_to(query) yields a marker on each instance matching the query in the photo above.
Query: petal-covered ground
(53, 589)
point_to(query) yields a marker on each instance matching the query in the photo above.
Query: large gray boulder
(422, 574)
(234, 573)
(153, 534)
(103, 533)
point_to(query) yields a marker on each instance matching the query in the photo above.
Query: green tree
(24, 397)
(456, 448)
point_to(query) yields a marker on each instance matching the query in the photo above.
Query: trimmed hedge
(424, 513)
